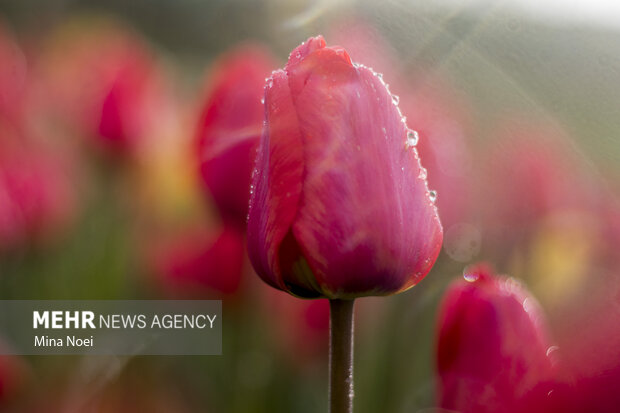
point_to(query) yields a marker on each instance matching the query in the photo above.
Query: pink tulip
(230, 126)
(37, 192)
(102, 81)
(493, 353)
(433, 110)
(340, 206)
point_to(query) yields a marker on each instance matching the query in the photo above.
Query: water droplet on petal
(423, 174)
(412, 138)
(432, 195)
(395, 99)
(470, 276)
(551, 350)
(262, 101)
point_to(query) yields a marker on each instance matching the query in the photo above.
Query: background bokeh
(102, 197)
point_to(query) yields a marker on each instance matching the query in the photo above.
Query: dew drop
(423, 174)
(395, 99)
(432, 195)
(551, 350)
(412, 138)
(470, 276)
(262, 101)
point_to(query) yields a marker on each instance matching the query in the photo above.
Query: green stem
(341, 356)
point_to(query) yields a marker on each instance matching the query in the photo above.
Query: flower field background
(127, 137)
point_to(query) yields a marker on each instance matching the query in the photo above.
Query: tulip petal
(366, 221)
(230, 128)
(276, 182)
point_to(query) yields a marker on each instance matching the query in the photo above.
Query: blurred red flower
(340, 205)
(493, 353)
(230, 125)
(102, 81)
(201, 263)
(37, 191)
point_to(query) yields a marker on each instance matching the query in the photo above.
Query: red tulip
(102, 81)
(493, 353)
(340, 207)
(230, 126)
(37, 194)
(202, 262)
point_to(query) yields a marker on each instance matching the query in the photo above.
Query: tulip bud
(340, 207)
(492, 354)
(230, 126)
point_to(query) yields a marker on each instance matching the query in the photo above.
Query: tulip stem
(341, 356)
